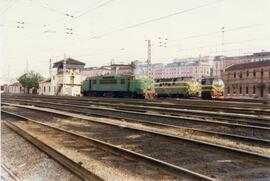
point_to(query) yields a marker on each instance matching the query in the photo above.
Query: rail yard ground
(82, 138)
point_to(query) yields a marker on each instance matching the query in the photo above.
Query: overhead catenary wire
(10, 4)
(93, 9)
(49, 27)
(162, 17)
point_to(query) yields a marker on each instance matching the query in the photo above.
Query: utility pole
(50, 71)
(148, 62)
(27, 66)
(50, 67)
(222, 40)
(8, 74)
(64, 74)
(223, 52)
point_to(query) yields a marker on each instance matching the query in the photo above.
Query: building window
(254, 89)
(72, 79)
(234, 75)
(49, 88)
(44, 89)
(228, 90)
(240, 89)
(247, 73)
(254, 73)
(269, 72)
(240, 75)
(246, 89)
(269, 89)
(261, 72)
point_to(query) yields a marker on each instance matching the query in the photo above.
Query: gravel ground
(27, 162)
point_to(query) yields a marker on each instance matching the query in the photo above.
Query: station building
(15, 88)
(248, 80)
(220, 63)
(63, 80)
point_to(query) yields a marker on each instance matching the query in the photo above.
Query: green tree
(30, 80)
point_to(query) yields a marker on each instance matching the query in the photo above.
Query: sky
(99, 31)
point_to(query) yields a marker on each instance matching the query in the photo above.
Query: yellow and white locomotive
(212, 88)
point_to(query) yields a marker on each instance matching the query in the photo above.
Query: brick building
(249, 80)
(220, 63)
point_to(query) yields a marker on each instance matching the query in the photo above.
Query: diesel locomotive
(119, 86)
(184, 87)
(212, 88)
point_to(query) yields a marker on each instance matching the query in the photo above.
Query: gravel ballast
(27, 162)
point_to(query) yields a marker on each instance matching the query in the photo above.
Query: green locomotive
(119, 86)
(177, 87)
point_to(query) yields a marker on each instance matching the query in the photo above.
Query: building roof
(46, 81)
(251, 56)
(69, 61)
(16, 84)
(249, 65)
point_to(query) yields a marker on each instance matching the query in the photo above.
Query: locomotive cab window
(94, 81)
(207, 81)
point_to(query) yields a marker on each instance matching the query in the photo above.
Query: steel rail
(162, 125)
(72, 166)
(228, 118)
(137, 115)
(162, 164)
(243, 153)
(169, 102)
(9, 172)
(243, 118)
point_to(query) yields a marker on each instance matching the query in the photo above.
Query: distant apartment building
(196, 68)
(190, 67)
(94, 71)
(220, 63)
(249, 80)
(136, 68)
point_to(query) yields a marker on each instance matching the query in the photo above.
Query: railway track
(252, 131)
(227, 117)
(7, 174)
(221, 163)
(126, 159)
(242, 142)
(224, 106)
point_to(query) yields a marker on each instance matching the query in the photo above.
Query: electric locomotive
(212, 88)
(119, 86)
(177, 87)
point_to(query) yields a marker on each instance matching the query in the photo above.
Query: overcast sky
(36, 30)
